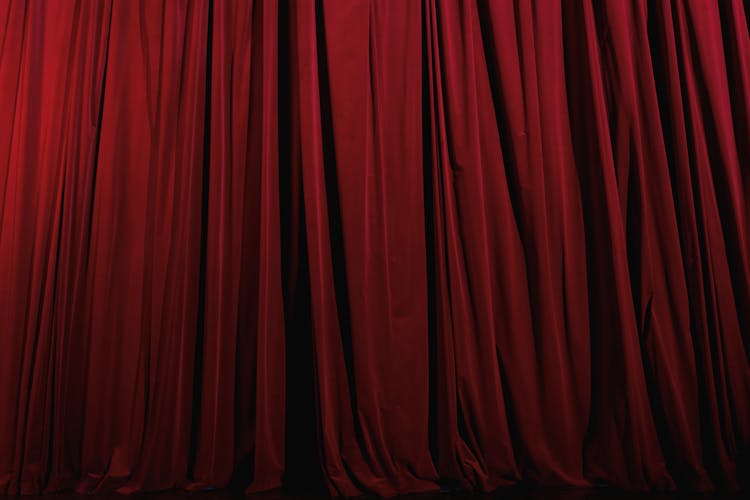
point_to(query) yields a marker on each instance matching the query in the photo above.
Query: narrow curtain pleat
(387, 246)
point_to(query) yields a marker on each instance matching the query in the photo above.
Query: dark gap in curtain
(509, 158)
(581, 118)
(657, 49)
(303, 474)
(335, 232)
(200, 329)
(430, 240)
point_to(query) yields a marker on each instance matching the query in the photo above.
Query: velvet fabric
(394, 244)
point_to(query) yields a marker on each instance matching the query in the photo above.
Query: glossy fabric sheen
(404, 243)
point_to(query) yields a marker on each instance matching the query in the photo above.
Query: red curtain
(394, 244)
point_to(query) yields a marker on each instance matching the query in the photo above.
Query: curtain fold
(384, 246)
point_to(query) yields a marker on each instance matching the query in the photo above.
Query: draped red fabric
(396, 245)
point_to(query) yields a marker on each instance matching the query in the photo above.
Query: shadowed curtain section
(381, 246)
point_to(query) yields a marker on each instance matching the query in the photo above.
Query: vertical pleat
(551, 350)
(477, 251)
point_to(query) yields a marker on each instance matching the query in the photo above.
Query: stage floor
(516, 492)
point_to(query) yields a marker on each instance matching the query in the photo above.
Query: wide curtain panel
(380, 246)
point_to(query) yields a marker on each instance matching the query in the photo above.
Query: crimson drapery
(405, 243)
